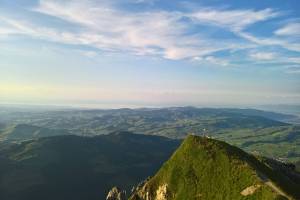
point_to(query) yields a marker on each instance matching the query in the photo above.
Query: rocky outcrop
(116, 194)
(161, 193)
(250, 190)
(142, 192)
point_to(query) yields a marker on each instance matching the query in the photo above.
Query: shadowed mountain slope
(73, 167)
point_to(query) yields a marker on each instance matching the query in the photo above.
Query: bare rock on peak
(116, 194)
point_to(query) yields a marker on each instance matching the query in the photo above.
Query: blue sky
(150, 52)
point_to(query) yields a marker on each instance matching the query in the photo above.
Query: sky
(139, 53)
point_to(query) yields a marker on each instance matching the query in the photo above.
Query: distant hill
(282, 108)
(203, 168)
(262, 113)
(21, 132)
(74, 167)
(256, 131)
(170, 122)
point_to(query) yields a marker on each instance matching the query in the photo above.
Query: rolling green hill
(203, 168)
(22, 132)
(73, 167)
(260, 132)
(169, 122)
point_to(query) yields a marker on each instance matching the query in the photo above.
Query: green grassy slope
(276, 142)
(204, 168)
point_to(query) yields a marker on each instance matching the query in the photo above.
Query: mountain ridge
(204, 168)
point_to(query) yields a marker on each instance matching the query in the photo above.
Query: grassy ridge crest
(204, 168)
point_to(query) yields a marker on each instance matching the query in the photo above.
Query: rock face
(142, 193)
(161, 193)
(116, 194)
(250, 190)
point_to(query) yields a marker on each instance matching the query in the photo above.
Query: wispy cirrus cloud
(262, 55)
(238, 20)
(291, 29)
(212, 60)
(273, 57)
(157, 32)
(147, 33)
(288, 43)
(235, 20)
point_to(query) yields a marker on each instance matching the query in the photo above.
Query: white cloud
(90, 54)
(212, 60)
(291, 29)
(111, 29)
(17, 26)
(235, 20)
(157, 33)
(267, 57)
(238, 20)
(105, 26)
(144, 1)
(294, 60)
(262, 55)
(271, 41)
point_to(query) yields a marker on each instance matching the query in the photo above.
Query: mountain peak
(205, 168)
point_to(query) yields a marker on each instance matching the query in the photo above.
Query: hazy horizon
(293, 109)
